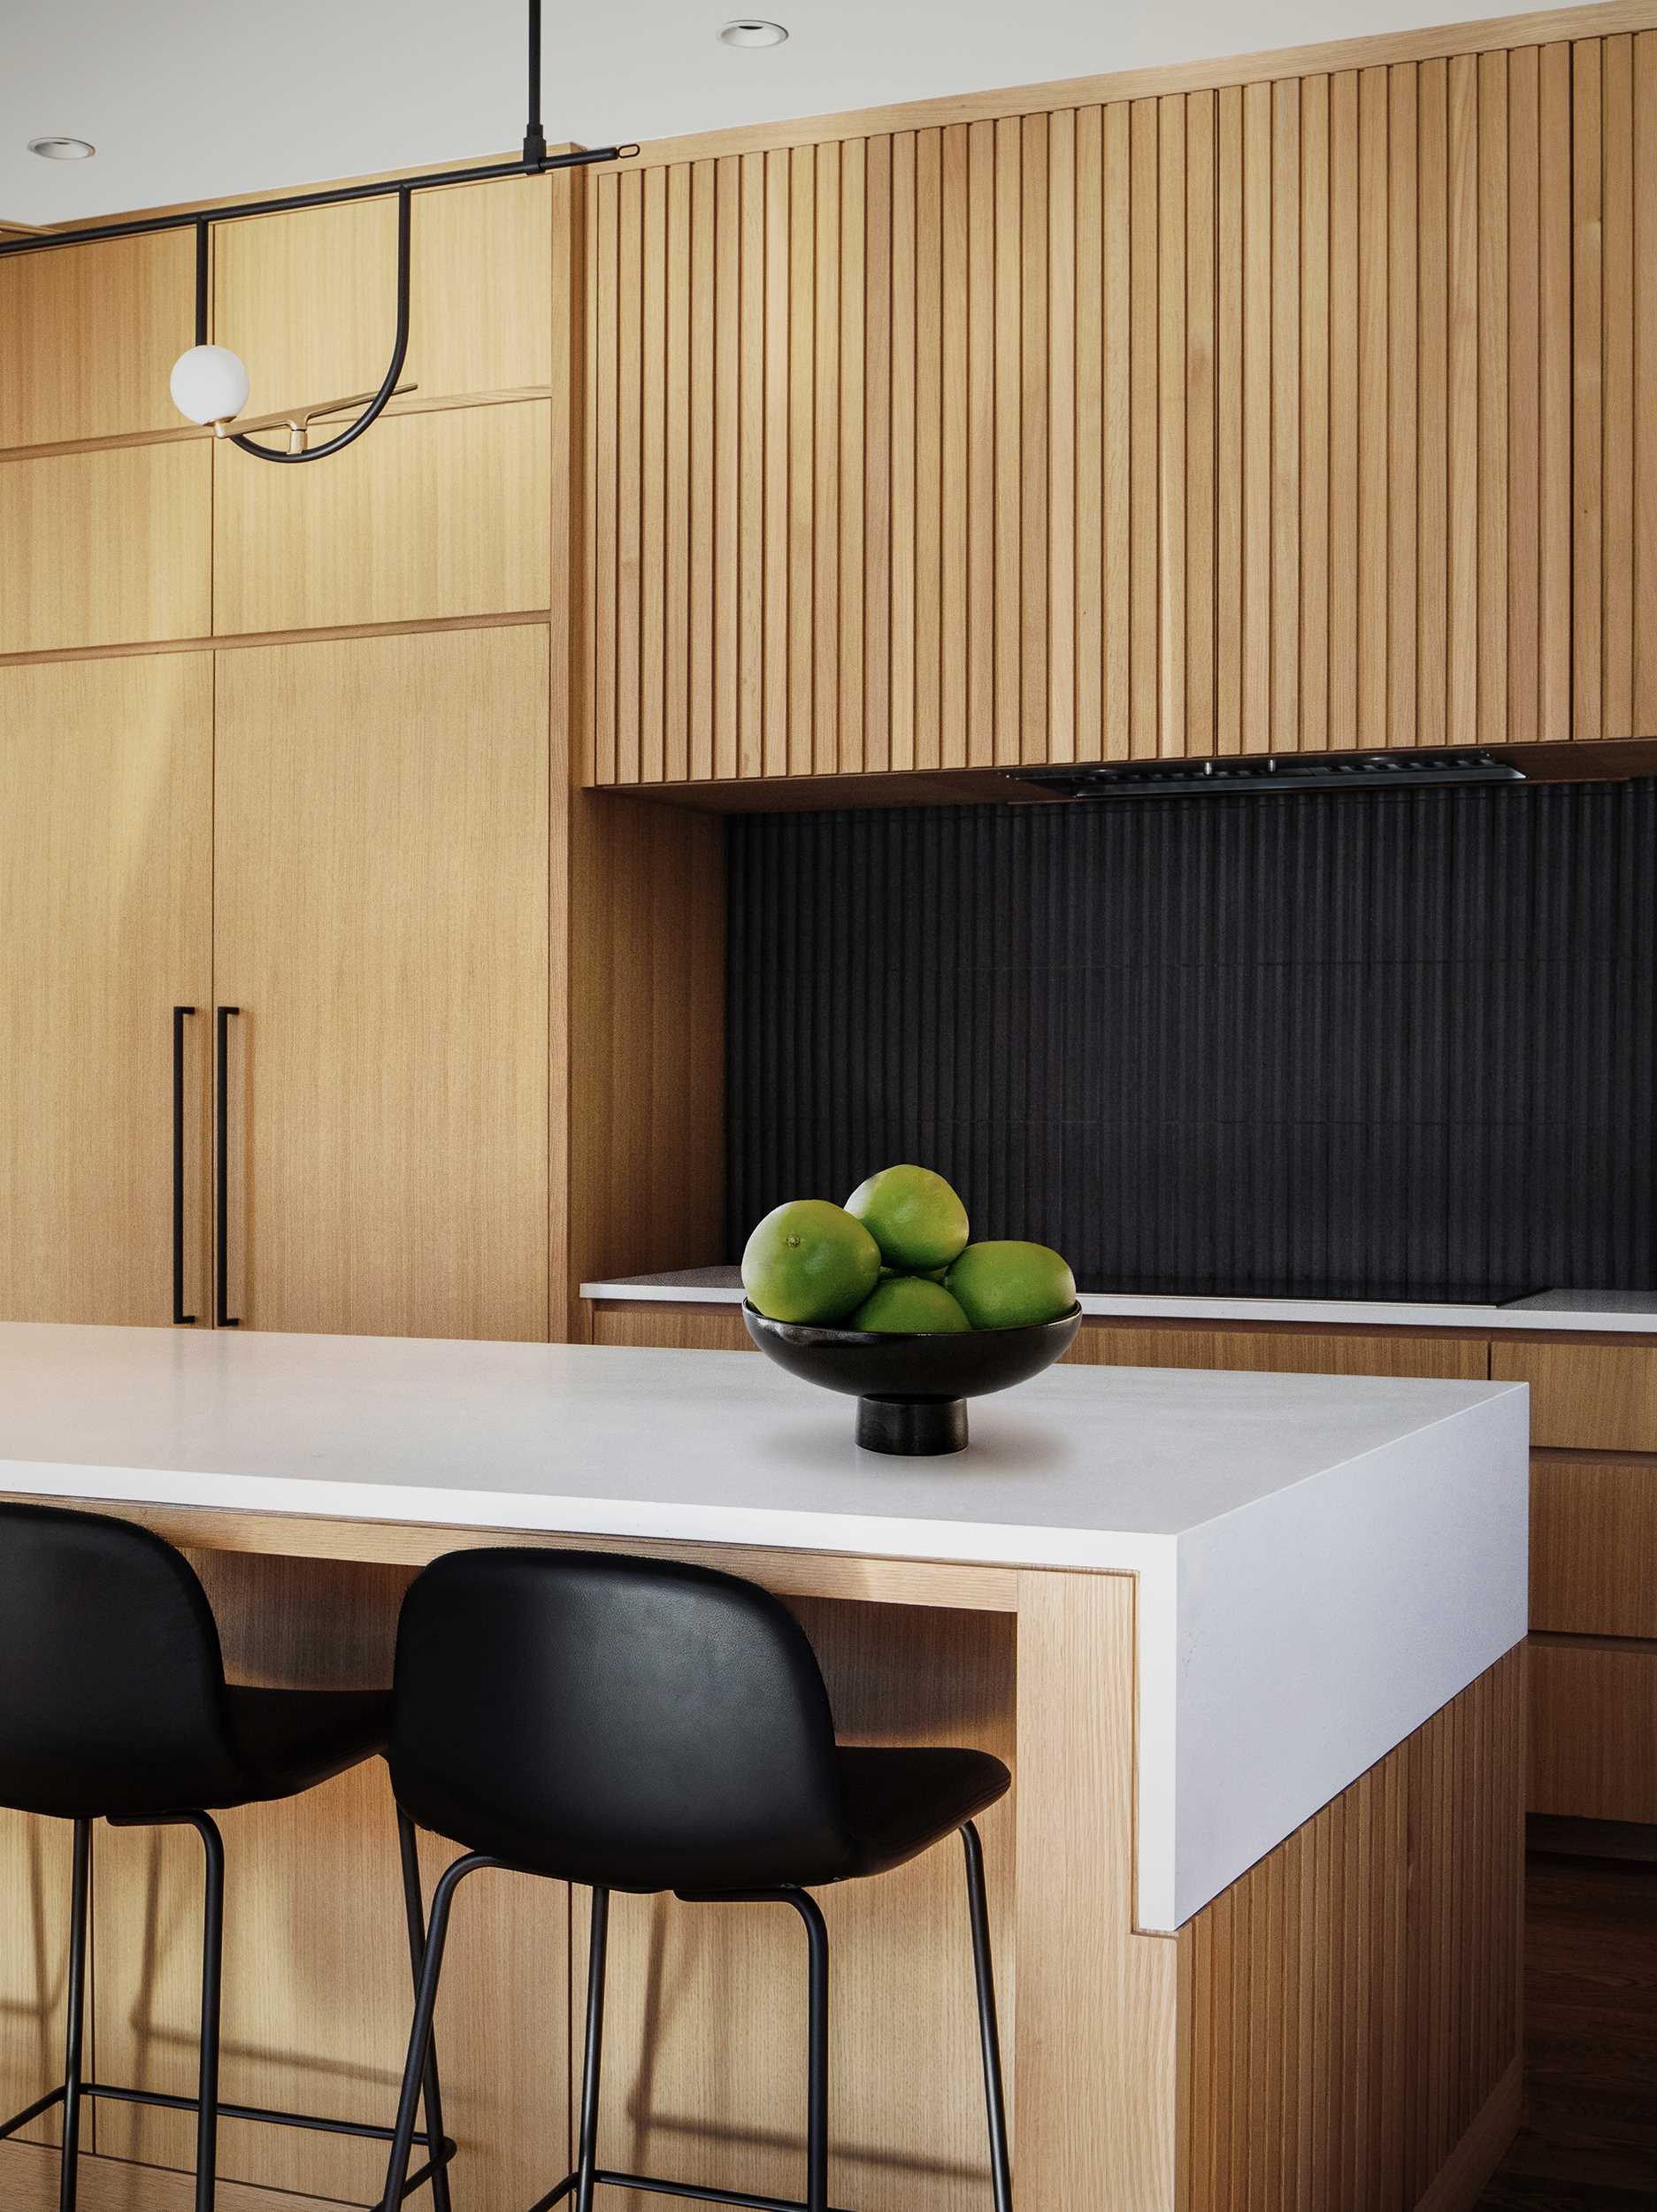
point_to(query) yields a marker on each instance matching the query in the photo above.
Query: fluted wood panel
(1354, 2000)
(1311, 415)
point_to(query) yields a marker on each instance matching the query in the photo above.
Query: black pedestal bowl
(911, 1391)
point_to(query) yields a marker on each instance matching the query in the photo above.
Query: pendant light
(210, 384)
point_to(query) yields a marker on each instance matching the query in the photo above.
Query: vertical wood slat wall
(1376, 1946)
(1311, 415)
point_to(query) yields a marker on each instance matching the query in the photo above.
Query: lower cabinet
(1593, 1646)
(670, 1328)
(1587, 1393)
(708, 1328)
(1593, 1728)
(1284, 1351)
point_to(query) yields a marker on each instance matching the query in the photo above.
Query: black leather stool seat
(900, 1803)
(286, 1741)
(113, 1702)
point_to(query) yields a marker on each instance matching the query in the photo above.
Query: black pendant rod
(535, 136)
(142, 227)
(534, 162)
(582, 158)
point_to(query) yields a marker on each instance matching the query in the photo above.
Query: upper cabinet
(1297, 416)
(88, 335)
(430, 515)
(443, 509)
(309, 300)
(111, 547)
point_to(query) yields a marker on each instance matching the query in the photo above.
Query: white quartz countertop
(1595, 1312)
(1324, 1561)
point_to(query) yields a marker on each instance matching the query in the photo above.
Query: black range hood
(1257, 777)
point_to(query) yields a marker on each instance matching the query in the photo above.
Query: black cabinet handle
(180, 1319)
(221, 1196)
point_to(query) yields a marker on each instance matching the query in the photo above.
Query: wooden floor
(1589, 2141)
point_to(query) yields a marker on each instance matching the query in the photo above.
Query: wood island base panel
(1329, 2023)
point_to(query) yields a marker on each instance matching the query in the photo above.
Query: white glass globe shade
(209, 384)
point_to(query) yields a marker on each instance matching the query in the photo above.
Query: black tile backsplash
(1348, 1045)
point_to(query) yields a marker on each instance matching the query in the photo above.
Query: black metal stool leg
(598, 1944)
(69, 2176)
(817, 2061)
(414, 1912)
(989, 2031)
(420, 2034)
(213, 1993)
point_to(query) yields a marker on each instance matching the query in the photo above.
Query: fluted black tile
(1352, 1044)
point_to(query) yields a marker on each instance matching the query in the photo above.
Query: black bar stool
(635, 1725)
(114, 1706)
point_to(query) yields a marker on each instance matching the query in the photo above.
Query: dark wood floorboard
(1589, 2141)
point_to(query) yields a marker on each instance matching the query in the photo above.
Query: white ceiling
(188, 101)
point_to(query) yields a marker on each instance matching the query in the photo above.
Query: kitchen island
(1249, 1643)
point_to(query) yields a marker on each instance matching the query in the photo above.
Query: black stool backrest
(111, 1679)
(630, 1723)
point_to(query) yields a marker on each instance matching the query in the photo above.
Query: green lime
(909, 1305)
(913, 1216)
(1010, 1286)
(810, 1261)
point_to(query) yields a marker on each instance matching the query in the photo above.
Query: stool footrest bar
(365, 2129)
(32, 2112)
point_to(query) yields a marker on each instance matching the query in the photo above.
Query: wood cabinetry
(432, 516)
(1593, 1616)
(310, 299)
(1587, 1394)
(88, 336)
(670, 1328)
(105, 923)
(381, 920)
(1306, 414)
(1285, 1351)
(1593, 1546)
(1593, 1728)
(1112, 1344)
(108, 548)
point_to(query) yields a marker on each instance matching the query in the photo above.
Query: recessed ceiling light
(750, 31)
(54, 148)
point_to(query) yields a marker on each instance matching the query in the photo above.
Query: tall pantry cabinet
(106, 912)
(347, 842)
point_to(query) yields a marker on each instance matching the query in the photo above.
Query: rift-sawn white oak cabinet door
(382, 922)
(105, 922)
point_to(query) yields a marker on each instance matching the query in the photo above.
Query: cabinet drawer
(667, 1328)
(1585, 1395)
(1593, 1729)
(1283, 1351)
(1593, 1546)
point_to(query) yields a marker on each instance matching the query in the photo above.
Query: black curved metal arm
(376, 406)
